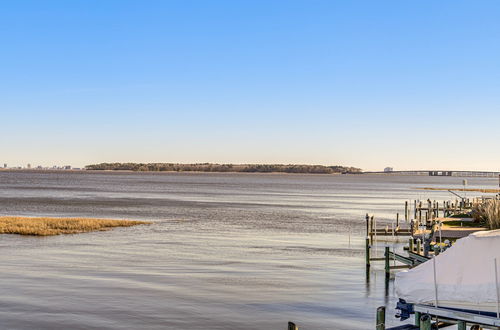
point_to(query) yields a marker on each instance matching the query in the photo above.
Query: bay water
(223, 251)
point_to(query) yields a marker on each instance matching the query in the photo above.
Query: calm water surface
(224, 251)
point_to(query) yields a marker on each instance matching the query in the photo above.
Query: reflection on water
(225, 251)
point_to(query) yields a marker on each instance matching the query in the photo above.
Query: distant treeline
(207, 167)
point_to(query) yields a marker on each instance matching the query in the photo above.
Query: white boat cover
(465, 275)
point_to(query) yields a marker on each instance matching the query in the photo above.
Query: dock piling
(367, 224)
(380, 318)
(406, 211)
(417, 319)
(420, 211)
(367, 252)
(425, 322)
(292, 326)
(371, 229)
(387, 263)
(462, 325)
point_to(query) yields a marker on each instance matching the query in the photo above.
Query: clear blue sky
(408, 84)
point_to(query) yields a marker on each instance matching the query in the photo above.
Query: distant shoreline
(224, 168)
(81, 171)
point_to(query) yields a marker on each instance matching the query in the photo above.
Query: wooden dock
(427, 230)
(424, 225)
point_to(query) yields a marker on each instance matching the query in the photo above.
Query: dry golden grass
(489, 212)
(56, 226)
(462, 189)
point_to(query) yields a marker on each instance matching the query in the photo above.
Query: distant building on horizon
(388, 169)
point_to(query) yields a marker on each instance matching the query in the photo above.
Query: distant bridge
(484, 174)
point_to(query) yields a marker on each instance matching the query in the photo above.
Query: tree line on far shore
(208, 167)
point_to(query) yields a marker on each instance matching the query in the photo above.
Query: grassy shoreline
(44, 226)
(487, 190)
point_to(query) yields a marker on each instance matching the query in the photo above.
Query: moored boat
(464, 277)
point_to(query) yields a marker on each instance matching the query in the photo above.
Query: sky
(370, 84)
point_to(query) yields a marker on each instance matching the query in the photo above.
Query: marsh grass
(57, 226)
(486, 191)
(488, 212)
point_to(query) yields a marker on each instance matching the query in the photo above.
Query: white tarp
(465, 275)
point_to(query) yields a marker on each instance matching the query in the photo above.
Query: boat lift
(444, 317)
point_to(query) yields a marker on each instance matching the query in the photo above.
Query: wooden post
(292, 326)
(425, 322)
(410, 244)
(397, 220)
(462, 325)
(387, 263)
(415, 209)
(380, 318)
(406, 211)
(367, 225)
(419, 245)
(427, 242)
(371, 230)
(367, 252)
(417, 319)
(420, 211)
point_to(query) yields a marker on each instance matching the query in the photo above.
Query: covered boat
(465, 276)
